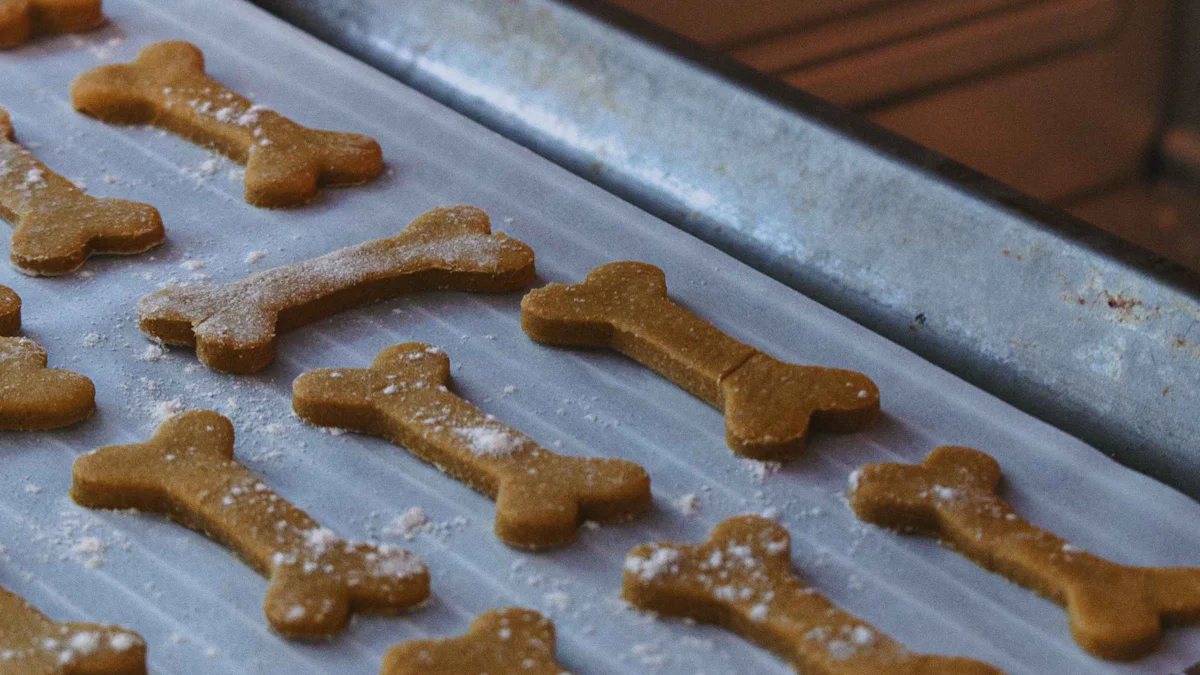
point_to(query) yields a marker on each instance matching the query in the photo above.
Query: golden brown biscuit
(285, 162)
(35, 398)
(741, 579)
(233, 327)
(56, 225)
(19, 19)
(540, 497)
(10, 312)
(500, 642)
(770, 406)
(1116, 612)
(32, 644)
(187, 472)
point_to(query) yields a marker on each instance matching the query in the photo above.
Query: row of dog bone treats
(1116, 611)
(741, 578)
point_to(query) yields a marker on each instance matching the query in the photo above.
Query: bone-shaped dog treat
(233, 327)
(770, 406)
(540, 497)
(741, 579)
(1115, 611)
(35, 398)
(19, 19)
(500, 642)
(285, 162)
(32, 644)
(187, 472)
(56, 225)
(10, 312)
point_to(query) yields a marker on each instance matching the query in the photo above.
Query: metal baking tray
(200, 608)
(1049, 313)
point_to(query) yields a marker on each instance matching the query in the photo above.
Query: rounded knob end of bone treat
(613, 490)
(69, 16)
(239, 359)
(306, 606)
(16, 25)
(10, 312)
(120, 652)
(1110, 618)
(59, 238)
(535, 516)
(52, 399)
(278, 178)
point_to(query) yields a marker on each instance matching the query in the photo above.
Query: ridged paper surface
(200, 608)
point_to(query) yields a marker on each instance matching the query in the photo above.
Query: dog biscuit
(187, 472)
(56, 226)
(233, 327)
(20, 19)
(540, 497)
(36, 398)
(167, 87)
(10, 312)
(1115, 611)
(741, 580)
(500, 642)
(32, 644)
(769, 406)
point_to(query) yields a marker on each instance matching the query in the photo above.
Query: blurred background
(1093, 105)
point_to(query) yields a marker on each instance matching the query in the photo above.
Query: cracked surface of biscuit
(36, 398)
(56, 226)
(541, 497)
(316, 579)
(1115, 611)
(770, 406)
(234, 327)
(499, 642)
(285, 163)
(32, 644)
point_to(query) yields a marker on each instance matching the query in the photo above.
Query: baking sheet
(200, 609)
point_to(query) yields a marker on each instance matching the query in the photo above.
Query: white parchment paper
(200, 608)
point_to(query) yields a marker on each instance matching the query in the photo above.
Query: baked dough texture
(22, 19)
(541, 497)
(234, 327)
(188, 473)
(499, 642)
(10, 312)
(36, 398)
(741, 579)
(285, 162)
(56, 226)
(32, 644)
(770, 406)
(1115, 611)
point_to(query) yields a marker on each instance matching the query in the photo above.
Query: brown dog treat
(35, 398)
(741, 579)
(499, 642)
(56, 225)
(233, 327)
(10, 312)
(770, 406)
(285, 162)
(1115, 611)
(540, 497)
(19, 19)
(187, 472)
(32, 644)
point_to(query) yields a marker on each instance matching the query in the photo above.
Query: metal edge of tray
(1041, 309)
